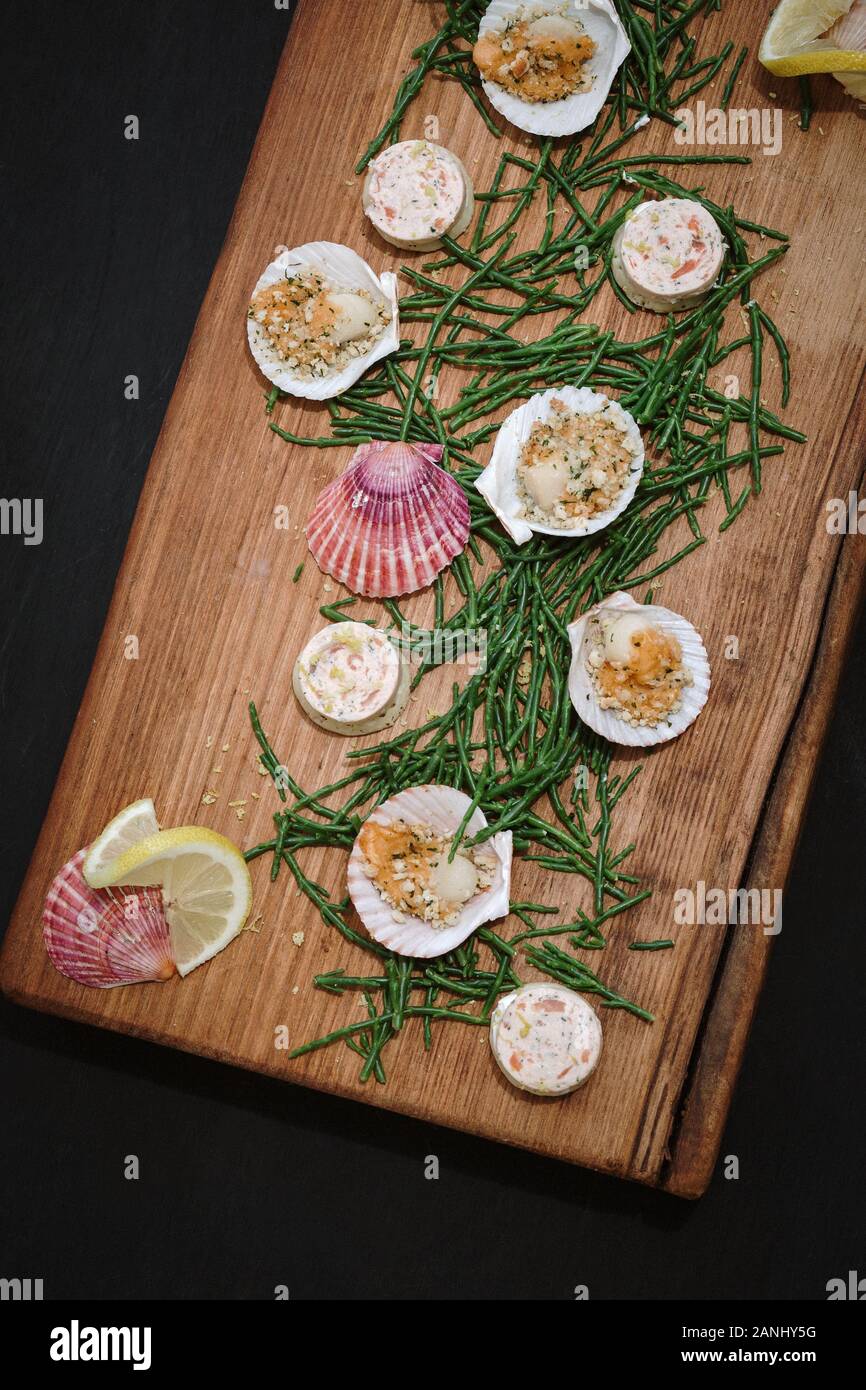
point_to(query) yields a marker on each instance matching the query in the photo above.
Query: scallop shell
(600, 21)
(605, 721)
(136, 937)
(849, 32)
(104, 938)
(345, 268)
(391, 522)
(498, 483)
(442, 808)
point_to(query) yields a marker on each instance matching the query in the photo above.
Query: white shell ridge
(346, 269)
(605, 721)
(849, 32)
(498, 483)
(599, 20)
(441, 808)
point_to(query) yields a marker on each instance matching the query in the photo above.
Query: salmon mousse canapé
(667, 254)
(415, 193)
(546, 1039)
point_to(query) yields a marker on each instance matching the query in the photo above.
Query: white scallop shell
(442, 808)
(498, 483)
(605, 721)
(601, 22)
(345, 268)
(849, 32)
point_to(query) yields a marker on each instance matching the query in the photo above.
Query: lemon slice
(796, 40)
(130, 825)
(205, 885)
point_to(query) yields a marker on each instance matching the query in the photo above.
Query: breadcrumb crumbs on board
(298, 938)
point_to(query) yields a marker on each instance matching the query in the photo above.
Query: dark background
(247, 1183)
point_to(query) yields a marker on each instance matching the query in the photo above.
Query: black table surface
(246, 1183)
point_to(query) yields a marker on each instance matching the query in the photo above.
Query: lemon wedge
(205, 883)
(130, 825)
(798, 38)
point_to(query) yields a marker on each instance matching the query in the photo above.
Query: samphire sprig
(510, 738)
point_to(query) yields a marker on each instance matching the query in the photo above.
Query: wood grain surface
(206, 587)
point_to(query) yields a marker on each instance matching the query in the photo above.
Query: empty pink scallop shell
(105, 937)
(136, 937)
(391, 522)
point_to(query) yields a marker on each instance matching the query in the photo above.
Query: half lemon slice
(806, 36)
(130, 825)
(205, 883)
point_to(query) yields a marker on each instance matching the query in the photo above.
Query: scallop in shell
(436, 812)
(101, 937)
(604, 635)
(391, 522)
(501, 485)
(328, 287)
(544, 20)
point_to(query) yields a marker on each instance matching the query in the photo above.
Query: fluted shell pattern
(598, 19)
(849, 32)
(391, 522)
(442, 809)
(605, 721)
(105, 937)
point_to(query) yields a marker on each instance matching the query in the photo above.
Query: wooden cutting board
(206, 588)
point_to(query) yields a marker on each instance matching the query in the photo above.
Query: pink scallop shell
(105, 937)
(136, 937)
(391, 522)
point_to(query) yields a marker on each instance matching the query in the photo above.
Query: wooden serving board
(206, 588)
